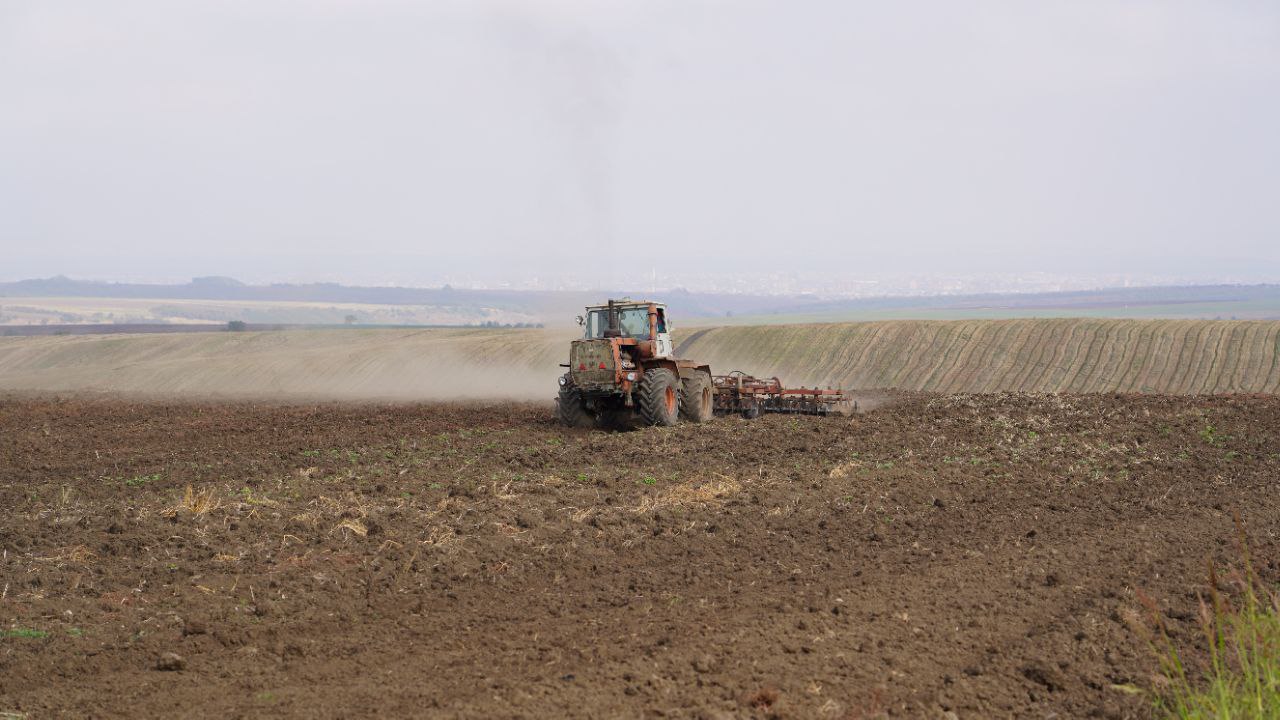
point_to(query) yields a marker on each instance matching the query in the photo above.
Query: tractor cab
(643, 323)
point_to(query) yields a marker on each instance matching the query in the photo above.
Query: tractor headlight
(562, 380)
(631, 377)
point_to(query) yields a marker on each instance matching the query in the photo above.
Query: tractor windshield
(634, 322)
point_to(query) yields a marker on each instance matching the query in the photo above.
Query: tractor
(623, 371)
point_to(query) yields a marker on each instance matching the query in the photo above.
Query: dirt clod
(762, 699)
(1043, 674)
(171, 662)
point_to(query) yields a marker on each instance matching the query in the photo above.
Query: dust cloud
(393, 365)
(446, 376)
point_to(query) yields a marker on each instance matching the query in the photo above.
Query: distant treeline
(560, 305)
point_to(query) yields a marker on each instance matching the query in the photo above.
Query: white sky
(396, 141)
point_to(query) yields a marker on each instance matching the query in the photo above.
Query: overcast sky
(396, 141)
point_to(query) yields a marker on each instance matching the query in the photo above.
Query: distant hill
(559, 307)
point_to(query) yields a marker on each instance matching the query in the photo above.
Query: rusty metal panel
(593, 363)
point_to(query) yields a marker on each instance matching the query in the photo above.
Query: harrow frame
(750, 396)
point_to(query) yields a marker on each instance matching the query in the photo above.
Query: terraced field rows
(1072, 355)
(1040, 355)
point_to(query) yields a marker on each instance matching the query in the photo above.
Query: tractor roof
(626, 302)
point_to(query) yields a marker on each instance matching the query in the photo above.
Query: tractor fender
(682, 369)
(655, 363)
(688, 368)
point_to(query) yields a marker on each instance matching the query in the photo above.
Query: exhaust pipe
(613, 330)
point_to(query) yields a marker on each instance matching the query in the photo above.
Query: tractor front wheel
(569, 407)
(658, 397)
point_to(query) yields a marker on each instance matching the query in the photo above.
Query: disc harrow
(750, 397)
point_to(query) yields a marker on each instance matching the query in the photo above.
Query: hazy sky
(397, 141)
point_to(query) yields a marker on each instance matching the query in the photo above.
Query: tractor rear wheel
(569, 408)
(657, 397)
(697, 401)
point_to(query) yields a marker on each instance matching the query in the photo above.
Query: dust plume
(401, 365)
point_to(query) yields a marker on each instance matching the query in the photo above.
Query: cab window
(633, 322)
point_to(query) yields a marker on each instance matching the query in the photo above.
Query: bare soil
(941, 556)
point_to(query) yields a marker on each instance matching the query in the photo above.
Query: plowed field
(942, 556)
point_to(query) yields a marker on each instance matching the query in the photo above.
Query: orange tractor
(624, 371)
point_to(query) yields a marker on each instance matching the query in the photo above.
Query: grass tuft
(354, 526)
(699, 493)
(1242, 633)
(196, 503)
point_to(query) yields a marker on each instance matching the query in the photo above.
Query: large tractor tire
(697, 398)
(570, 410)
(658, 397)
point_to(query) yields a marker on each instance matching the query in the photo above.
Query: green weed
(1212, 435)
(140, 480)
(1242, 633)
(248, 497)
(24, 633)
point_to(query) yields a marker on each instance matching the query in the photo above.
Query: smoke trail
(579, 82)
